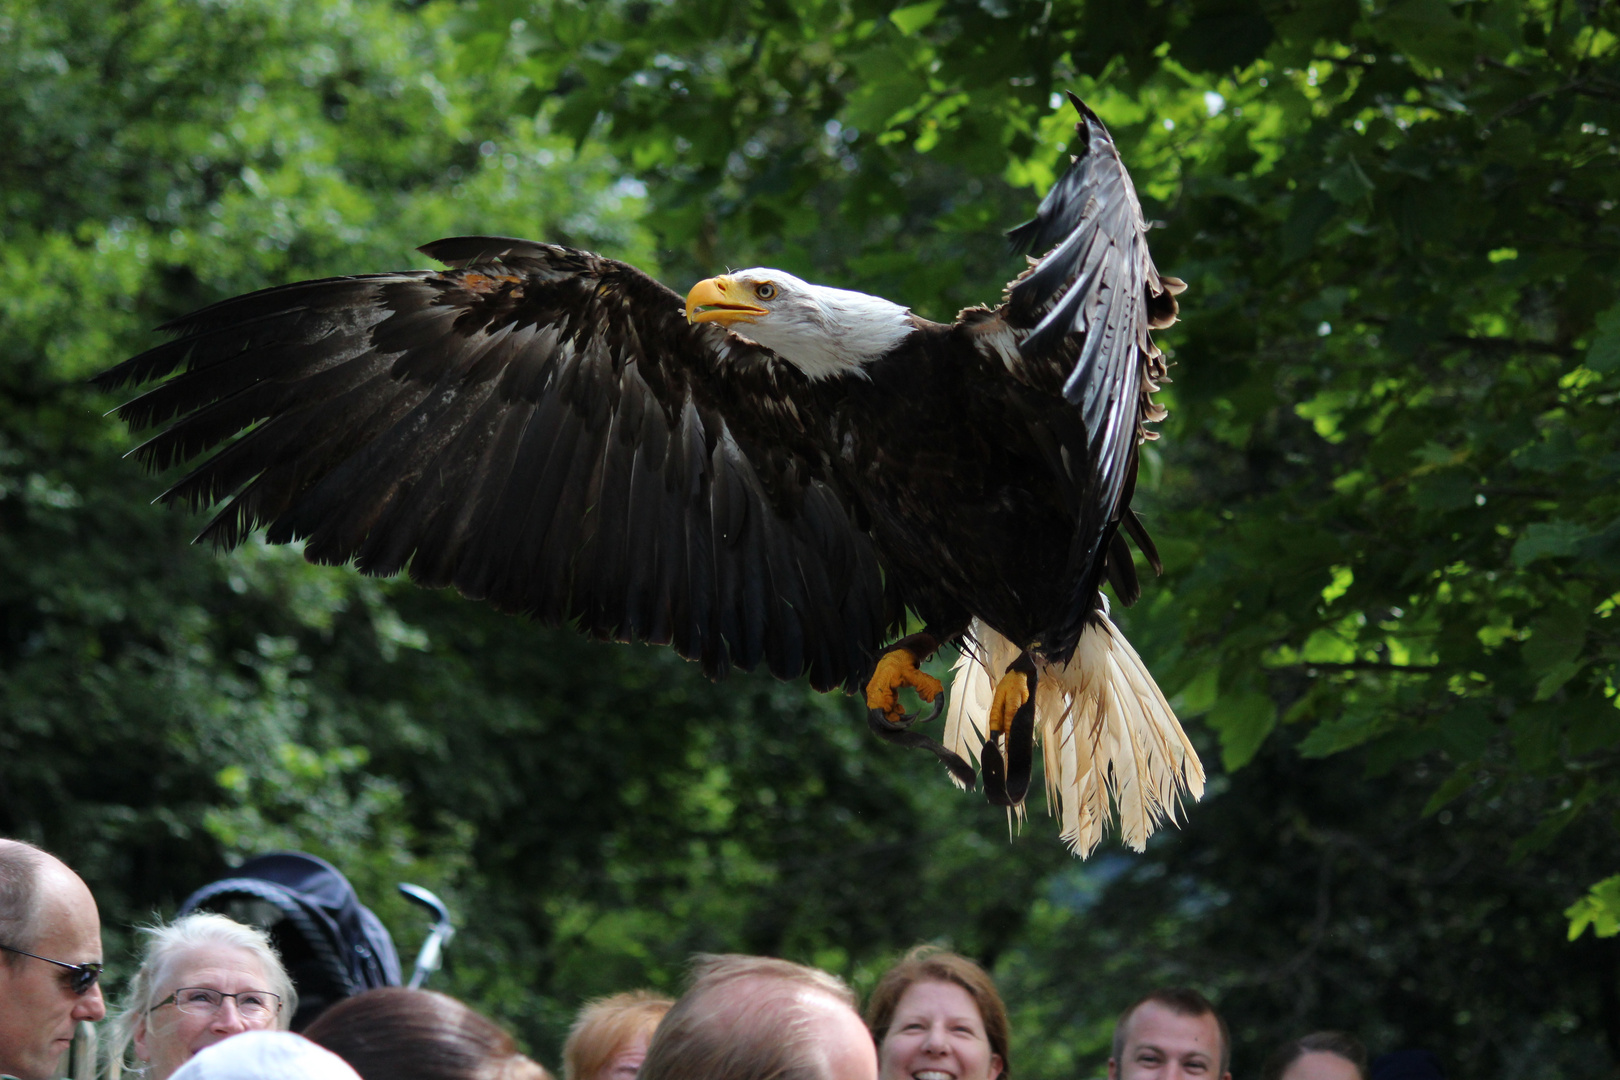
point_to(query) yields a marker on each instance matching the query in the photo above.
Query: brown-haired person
(610, 1035)
(393, 1033)
(938, 1012)
(759, 1018)
(1321, 1055)
(1172, 1034)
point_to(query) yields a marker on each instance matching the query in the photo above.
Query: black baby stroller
(332, 944)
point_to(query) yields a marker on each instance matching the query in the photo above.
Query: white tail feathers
(1108, 737)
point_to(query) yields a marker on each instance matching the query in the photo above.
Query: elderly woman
(937, 1012)
(610, 1035)
(203, 978)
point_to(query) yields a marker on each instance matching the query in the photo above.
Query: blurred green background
(1386, 497)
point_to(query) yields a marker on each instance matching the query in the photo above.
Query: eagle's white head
(823, 332)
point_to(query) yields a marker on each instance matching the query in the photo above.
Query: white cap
(265, 1055)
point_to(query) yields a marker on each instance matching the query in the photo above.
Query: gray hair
(743, 1018)
(20, 865)
(167, 944)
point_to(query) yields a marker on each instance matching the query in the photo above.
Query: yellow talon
(1011, 693)
(897, 668)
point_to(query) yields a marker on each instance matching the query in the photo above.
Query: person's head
(1173, 1034)
(936, 1011)
(610, 1035)
(266, 1055)
(203, 978)
(1406, 1065)
(756, 1018)
(393, 1033)
(1321, 1055)
(47, 911)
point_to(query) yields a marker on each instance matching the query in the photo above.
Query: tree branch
(1359, 665)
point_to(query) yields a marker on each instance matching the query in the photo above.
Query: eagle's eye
(765, 290)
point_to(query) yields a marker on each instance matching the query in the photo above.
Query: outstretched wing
(539, 427)
(1082, 315)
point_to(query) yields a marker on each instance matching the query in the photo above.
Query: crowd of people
(211, 1000)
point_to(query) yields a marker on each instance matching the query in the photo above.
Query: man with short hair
(756, 1018)
(1172, 1034)
(50, 960)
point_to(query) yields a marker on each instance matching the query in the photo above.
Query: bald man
(757, 1018)
(50, 960)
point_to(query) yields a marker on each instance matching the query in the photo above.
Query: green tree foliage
(594, 814)
(1385, 495)
(1280, 899)
(158, 708)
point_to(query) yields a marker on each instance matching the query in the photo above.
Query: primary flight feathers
(765, 471)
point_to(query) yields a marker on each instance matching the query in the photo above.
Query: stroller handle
(431, 954)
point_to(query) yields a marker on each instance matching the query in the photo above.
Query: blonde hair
(167, 944)
(604, 1026)
(744, 1018)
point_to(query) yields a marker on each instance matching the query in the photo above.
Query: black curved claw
(900, 735)
(907, 719)
(1021, 749)
(1006, 780)
(995, 773)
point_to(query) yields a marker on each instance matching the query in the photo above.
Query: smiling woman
(937, 1016)
(204, 978)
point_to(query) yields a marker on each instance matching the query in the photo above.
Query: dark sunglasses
(84, 975)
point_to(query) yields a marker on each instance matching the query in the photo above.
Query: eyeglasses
(203, 1001)
(83, 976)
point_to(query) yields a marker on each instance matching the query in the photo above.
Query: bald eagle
(769, 471)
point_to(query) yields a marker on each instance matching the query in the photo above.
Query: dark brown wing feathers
(1096, 287)
(541, 428)
(538, 427)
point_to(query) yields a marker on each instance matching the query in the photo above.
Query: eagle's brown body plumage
(546, 429)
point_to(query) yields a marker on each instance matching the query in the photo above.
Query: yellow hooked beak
(722, 300)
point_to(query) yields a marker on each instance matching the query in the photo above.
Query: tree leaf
(1593, 724)
(1346, 731)
(1548, 540)
(1536, 730)
(1446, 489)
(1465, 732)
(914, 17)
(1554, 822)
(1347, 184)
(1427, 30)
(1457, 783)
(1599, 909)
(1553, 651)
(1243, 719)
(1603, 353)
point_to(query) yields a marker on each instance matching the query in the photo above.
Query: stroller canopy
(332, 944)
